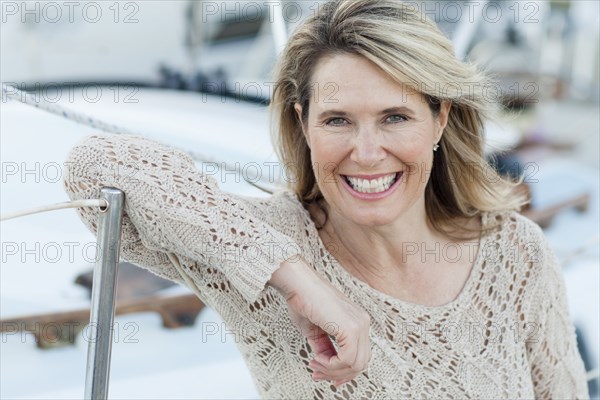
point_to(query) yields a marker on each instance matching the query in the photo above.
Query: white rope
(58, 206)
(89, 121)
(12, 93)
(103, 204)
(15, 94)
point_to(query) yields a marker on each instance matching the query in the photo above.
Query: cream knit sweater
(506, 335)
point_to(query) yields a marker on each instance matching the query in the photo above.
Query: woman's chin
(372, 218)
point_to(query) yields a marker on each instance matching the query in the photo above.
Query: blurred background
(196, 74)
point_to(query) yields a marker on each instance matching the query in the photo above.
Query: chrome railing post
(103, 295)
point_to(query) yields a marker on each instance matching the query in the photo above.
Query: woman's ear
(442, 118)
(298, 109)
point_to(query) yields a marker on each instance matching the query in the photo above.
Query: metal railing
(102, 309)
(104, 285)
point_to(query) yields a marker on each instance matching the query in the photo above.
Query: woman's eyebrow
(399, 110)
(329, 113)
(390, 110)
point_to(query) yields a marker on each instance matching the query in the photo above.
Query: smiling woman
(410, 64)
(378, 137)
(396, 265)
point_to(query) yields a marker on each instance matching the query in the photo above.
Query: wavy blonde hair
(414, 52)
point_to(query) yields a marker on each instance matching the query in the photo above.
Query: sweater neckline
(455, 304)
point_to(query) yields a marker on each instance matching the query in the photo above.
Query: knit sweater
(506, 335)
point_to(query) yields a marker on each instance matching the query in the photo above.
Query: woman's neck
(379, 252)
(409, 260)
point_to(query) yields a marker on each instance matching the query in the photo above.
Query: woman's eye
(396, 118)
(336, 122)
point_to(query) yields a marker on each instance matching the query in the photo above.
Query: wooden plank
(61, 328)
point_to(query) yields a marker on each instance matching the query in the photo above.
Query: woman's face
(371, 141)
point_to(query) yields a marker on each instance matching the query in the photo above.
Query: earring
(435, 147)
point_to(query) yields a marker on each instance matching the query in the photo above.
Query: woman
(396, 266)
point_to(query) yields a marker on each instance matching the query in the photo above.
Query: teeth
(378, 185)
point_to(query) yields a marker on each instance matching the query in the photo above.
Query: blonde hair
(411, 50)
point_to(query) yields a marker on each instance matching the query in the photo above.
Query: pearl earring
(435, 147)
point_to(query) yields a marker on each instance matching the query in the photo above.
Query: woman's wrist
(287, 278)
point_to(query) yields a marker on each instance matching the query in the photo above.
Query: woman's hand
(319, 310)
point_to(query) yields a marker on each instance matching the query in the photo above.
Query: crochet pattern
(506, 335)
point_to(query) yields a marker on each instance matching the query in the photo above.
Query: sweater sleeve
(171, 207)
(557, 369)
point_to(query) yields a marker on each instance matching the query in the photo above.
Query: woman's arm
(557, 369)
(319, 311)
(171, 207)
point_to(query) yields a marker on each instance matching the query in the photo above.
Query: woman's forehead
(347, 80)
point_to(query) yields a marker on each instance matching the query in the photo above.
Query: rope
(84, 119)
(80, 118)
(57, 206)
(15, 94)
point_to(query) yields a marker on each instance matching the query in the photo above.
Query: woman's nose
(367, 147)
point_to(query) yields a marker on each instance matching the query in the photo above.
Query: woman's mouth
(380, 184)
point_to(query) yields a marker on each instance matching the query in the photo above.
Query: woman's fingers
(340, 383)
(321, 344)
(351, 359)
(334, 370)
(354, 348)
(322, 312)
(335, 376)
